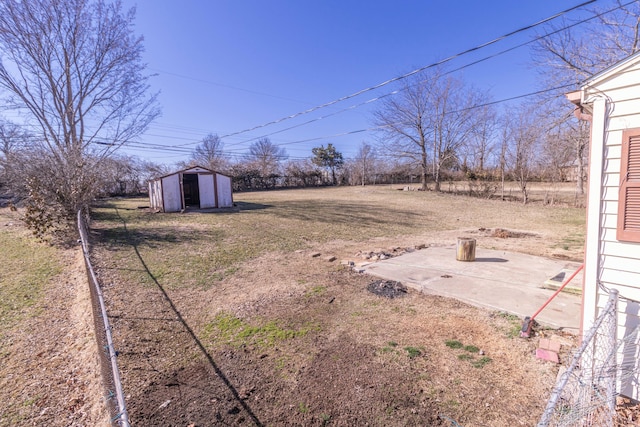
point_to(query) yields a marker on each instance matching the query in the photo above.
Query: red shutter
(629, 201)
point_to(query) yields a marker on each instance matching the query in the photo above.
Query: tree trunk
(466, 249)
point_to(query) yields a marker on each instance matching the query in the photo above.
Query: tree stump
(466, 249)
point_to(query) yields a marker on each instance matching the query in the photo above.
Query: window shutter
(629, 198)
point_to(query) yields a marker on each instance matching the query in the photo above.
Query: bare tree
(428, 121)
(210, 153)
(266, 156)
(14, 141)
(524, 146)
(569, 54)
(74, 68)
(364, 161)
(302, 173)
(481, 145)
(505, 137)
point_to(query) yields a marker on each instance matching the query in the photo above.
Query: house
(610, 100)
(195, 187)
(571, 171)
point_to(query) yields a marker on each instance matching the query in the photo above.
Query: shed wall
(155, 195)
(215, 191)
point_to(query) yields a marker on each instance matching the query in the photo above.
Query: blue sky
(224, 66)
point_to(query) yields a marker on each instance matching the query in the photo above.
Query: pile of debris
(380, 254)
(387, 288)
(502, 233)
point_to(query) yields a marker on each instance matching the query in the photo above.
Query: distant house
(611, 101)
(571, 171)
(195, 187)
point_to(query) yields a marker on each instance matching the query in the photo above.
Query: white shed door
(207, 191)
(171, 193)
(225, 199)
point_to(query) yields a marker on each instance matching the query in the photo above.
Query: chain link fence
(585, 393)
(108, 363)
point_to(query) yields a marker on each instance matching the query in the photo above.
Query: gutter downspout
(580, 115)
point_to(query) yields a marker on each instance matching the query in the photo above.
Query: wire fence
(108, 363)
(585, 393)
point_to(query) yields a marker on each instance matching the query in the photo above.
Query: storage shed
(611, 101)
(195, 187)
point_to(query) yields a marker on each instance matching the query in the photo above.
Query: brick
(548, 355)
(549, 344)
(554, 346)
(314, 254)
(330, 258)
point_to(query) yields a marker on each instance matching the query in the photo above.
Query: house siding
(612, 263)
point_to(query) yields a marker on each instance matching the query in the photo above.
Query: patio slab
(496, 280)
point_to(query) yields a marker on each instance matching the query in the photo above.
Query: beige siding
(609, 262)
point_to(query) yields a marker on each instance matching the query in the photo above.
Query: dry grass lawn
(225, 318)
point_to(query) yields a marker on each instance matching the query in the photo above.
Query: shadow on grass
(218, 372)
(246, 206)
(338, 212)
(150, 237)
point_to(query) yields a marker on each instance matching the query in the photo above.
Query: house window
(629, 200)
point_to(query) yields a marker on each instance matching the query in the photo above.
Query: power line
(406, 75)
(232, 87)
(374, 128)
(369, 101)
(179, 148)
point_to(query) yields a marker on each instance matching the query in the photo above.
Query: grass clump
(412, 352)
(514, 324)
(391, 346)
(469, 356)
(480, 363)
(325, 418)
(454, 344)
(471, 348)
(315, 291)
(234, 331)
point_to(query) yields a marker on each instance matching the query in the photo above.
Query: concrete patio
(496, 280)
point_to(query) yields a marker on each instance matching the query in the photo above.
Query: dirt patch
(502, 233)
(293, 340)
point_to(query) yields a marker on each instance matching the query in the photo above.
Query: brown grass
(286, 329)
(226, 318)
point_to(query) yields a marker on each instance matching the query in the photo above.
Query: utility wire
(406, 75)
(181, 149)
(352, 107)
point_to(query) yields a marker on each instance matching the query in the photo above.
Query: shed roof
(191, 169)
